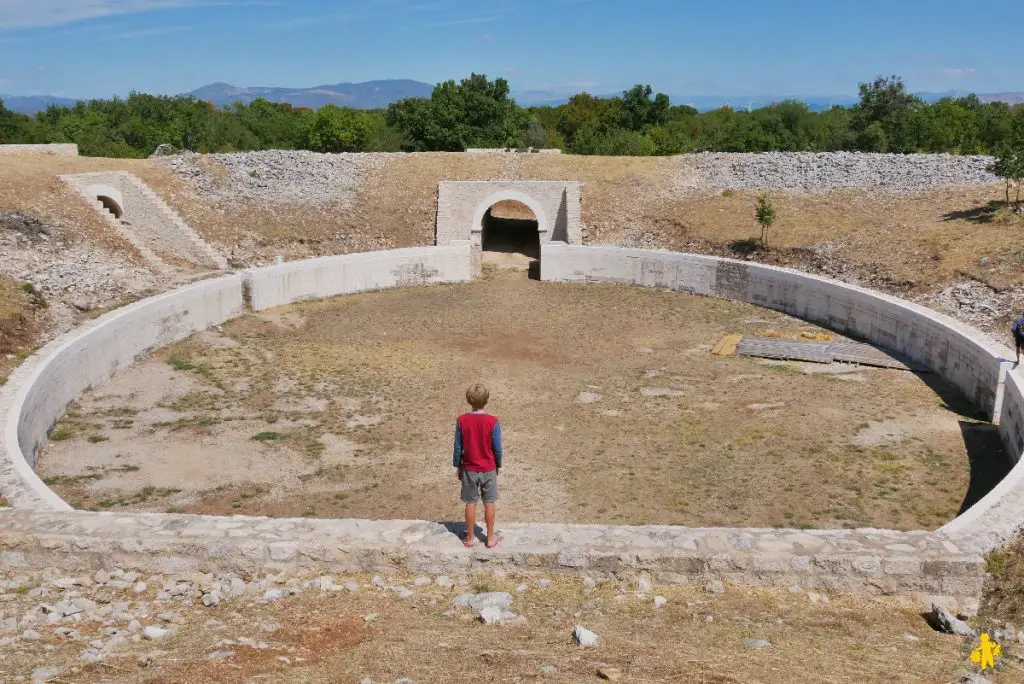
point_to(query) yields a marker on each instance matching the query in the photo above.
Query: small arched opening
(111, 205)
(510, 235)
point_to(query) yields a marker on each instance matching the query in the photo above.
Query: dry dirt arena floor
(613, 411)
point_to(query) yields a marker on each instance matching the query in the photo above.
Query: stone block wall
(65, 149)
(461, 206)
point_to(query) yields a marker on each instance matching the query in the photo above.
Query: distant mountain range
(379, 94)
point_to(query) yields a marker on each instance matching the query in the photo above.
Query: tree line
(479, 112)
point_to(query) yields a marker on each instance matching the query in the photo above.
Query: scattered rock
(659, 601)
(500, 599)
(84, 305)
(715, 587)
(907, 636)
(588, 398)
(221, 655)
(973, 678)
(612, 674)
(494, 615)
(444, 581)
(44, 674)
(421, 581)
(643, 585)
(584, 637)
(757, 643)
(543, 583)
(944, 621)
(153, 633)
(272, 595)
(211, 599)
(548, 669)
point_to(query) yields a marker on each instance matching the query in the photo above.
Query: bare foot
(493, 541)
(469, 543)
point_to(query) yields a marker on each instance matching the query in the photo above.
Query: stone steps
(149, 224)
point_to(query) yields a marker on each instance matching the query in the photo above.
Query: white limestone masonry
(348, 273)
(947, 563)
(461, 206)
(65, 149)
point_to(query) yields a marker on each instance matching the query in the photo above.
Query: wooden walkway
(824, 352)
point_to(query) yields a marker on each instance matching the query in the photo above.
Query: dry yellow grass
(19, 314)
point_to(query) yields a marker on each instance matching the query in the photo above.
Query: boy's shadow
(459, 530)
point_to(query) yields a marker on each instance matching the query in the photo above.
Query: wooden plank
(727, 345)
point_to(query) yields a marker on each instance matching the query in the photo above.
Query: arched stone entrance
(463, 206)
(109, 196)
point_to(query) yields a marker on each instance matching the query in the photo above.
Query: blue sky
(97, 48)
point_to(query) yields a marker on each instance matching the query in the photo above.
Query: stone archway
(462, 207)
(109, 197)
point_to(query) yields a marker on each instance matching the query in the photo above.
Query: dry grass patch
(20, 307)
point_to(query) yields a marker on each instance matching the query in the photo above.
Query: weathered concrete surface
(861, 561)
(38, 391)
(67, 149)
(461, 206)
(296, 281)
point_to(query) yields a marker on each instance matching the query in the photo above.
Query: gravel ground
(275, 176)
(821, 172)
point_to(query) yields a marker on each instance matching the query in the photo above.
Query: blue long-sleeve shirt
(496, 445)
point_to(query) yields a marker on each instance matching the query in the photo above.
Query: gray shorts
(479, 485)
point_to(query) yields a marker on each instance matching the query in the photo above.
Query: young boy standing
(1018, 335)
(477, 461)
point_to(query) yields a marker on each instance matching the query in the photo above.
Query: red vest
(477, 451)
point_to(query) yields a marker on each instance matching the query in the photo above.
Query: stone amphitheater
(39, 529)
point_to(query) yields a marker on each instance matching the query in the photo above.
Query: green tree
(1009, 165)
(886, 102)
(765, 215)
(335, 129)
(476, 112)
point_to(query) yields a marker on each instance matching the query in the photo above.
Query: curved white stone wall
(947, 562)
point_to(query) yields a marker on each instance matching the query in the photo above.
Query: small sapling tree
(1009, 165)
(765, 214)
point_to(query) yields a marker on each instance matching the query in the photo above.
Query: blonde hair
(477, 396)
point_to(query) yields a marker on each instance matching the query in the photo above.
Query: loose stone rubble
(67, 272)
(275, 176)
(821, 172)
